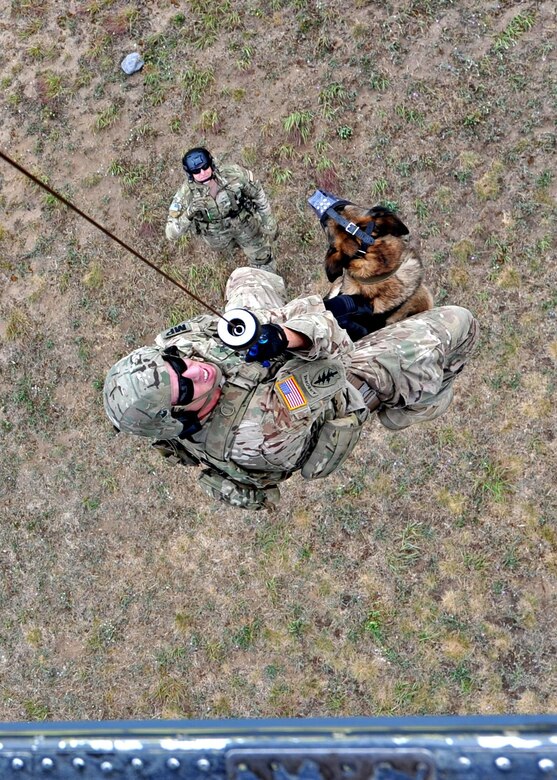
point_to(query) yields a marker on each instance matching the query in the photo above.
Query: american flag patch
(291, 393)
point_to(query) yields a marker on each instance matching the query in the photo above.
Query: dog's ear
(387, 222)
(333, 264)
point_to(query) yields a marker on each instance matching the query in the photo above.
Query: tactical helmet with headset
(197, 159)
(138, 395)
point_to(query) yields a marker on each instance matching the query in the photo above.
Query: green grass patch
(494, 481)
(298, 125)
(519, 24)
(196, 83)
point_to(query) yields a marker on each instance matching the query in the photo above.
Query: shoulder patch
(326, 377)
(182, 327)
(291, 393)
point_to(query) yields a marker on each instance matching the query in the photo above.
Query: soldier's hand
(271, 343)
(352, 312)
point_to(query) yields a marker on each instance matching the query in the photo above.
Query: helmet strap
(190, 421)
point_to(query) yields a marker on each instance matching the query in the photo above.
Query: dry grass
(421, 578)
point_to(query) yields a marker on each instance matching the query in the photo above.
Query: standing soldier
(226, 206)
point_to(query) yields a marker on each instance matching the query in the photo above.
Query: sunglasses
(195, 171)
(185, 385)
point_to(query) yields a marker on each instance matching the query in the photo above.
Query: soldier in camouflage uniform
(297, 402)
(226, 206)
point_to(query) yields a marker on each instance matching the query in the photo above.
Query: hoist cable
(107, 232)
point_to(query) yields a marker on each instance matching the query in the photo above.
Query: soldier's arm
(179, 220)
(311, 330)
(263, 293)
(254, 192)
(296, 340)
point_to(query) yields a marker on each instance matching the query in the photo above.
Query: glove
(271, 342)
(352, 312)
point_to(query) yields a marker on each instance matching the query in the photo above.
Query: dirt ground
(421, 578)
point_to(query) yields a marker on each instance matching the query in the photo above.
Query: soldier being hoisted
(298, 400)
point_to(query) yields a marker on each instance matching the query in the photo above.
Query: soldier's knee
(454, 322)
(241, 275)
(458, 317)
(463, 327)
(257, 254)
(255, 288)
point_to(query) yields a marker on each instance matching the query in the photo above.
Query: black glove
(353, 313)
(271, 342)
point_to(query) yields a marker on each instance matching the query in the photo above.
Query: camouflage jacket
(239, 195)
(268, 421)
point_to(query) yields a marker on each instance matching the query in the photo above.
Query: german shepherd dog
(367, 256)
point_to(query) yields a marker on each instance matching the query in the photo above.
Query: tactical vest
(204, 215)
(307, 388)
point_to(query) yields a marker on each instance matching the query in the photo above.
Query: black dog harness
(323, 203)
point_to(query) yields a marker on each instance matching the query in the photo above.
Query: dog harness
(323, 203)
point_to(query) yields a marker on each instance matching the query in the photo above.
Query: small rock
(132, 63)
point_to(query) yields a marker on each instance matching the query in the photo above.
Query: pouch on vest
(223, 489)
(174, 452)
(337, 439)
(233, 402)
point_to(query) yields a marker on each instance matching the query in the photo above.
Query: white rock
(132, 63)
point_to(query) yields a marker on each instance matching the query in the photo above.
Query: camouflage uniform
(410, 366)
(239, 216)
(255, 437)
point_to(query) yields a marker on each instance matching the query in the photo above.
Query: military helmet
(195, 160)
(137, 395)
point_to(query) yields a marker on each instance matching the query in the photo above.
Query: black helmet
(195, 160)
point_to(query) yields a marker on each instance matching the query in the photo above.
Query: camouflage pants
(244, 233)
(411, 365)
(408, 367)
(251, 288)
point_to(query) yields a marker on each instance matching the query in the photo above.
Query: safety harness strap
(235, 397)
